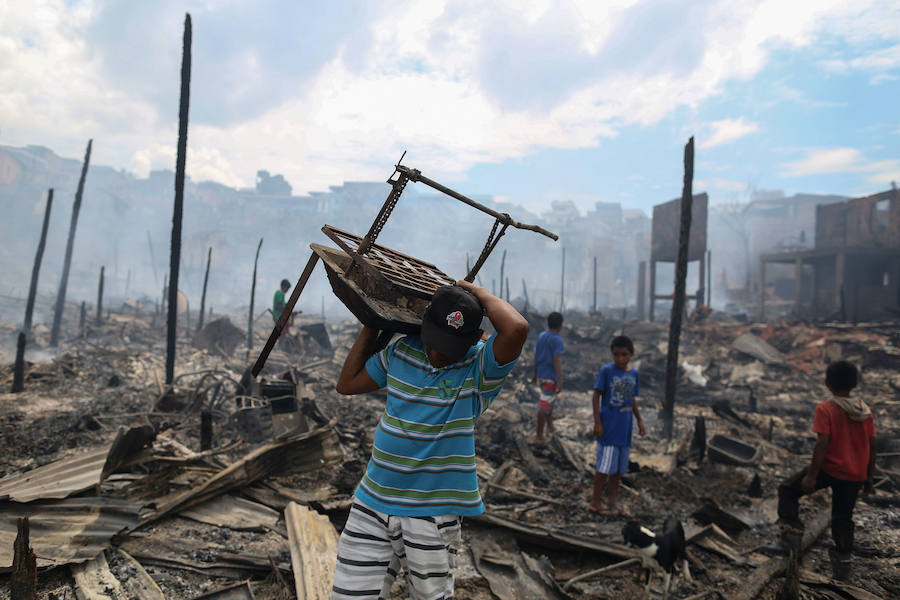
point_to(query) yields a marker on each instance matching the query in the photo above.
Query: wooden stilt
(36, 269)
(70, 244)
(684, 236)
(24, 568)
(180, 160)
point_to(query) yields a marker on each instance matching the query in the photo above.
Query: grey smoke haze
(120, 210)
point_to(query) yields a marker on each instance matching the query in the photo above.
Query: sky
(529, 101)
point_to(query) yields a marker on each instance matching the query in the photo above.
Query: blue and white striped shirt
(423, 459)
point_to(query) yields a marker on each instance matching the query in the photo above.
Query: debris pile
(130, 491)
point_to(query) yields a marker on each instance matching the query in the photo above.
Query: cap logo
(455, 319)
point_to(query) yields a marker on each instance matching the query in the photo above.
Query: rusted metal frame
(416, 176)
(489, 246)
(285, 314)
(351, 237)
(397, 186)
(388, 268)
(364, 264)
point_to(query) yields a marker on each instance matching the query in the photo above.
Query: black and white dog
(665, 548)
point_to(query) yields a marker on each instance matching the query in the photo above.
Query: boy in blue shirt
(618, 385)
(421, 477)
(548, 372)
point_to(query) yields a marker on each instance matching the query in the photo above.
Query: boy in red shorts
(843, 459)
(548, 372)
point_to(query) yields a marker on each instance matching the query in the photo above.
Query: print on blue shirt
(618, 389)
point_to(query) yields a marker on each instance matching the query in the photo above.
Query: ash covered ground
(537, 533)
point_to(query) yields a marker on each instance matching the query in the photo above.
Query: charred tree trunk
(252, 302)
(38, 257)
(175, 255)
(64, 281)
(507, 289)
(203, 295)
(19, 370)
(100, 298)
(684, 235)
(24, 567)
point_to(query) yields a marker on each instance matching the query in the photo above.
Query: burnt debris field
(221, 486)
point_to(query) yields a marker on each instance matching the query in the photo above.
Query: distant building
(853, 270)
(272, 185)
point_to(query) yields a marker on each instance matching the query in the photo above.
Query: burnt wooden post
(152, 258)
(252, 301)
(205, 429)
(594, 305)
(562, 282)
(684, 236)
(709, 277)
(24, 567)
(507, 289)
(100, 298)
(64, 281)
(642, 290)
(175, 254)
(19, 370)
(203, 295)
(82, 319)
(652, 286)
(36, 269)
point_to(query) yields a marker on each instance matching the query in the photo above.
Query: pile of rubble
(224, 487)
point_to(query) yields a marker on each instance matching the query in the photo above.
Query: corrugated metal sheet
(74, 474)
(233, 512)
(65, 531)
(57, 480)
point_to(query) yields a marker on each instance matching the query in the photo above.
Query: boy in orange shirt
(843, 459)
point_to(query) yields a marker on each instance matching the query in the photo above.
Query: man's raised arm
(512, 328)
(354, 379)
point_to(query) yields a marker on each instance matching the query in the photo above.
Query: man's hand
(512, 328)
(534, 379)
(808, 485)
(641, 429)
(598, 430)
(558, 387)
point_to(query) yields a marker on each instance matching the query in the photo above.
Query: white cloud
(726, 131)
(825, 161)
(414, 77)
(880, 60)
